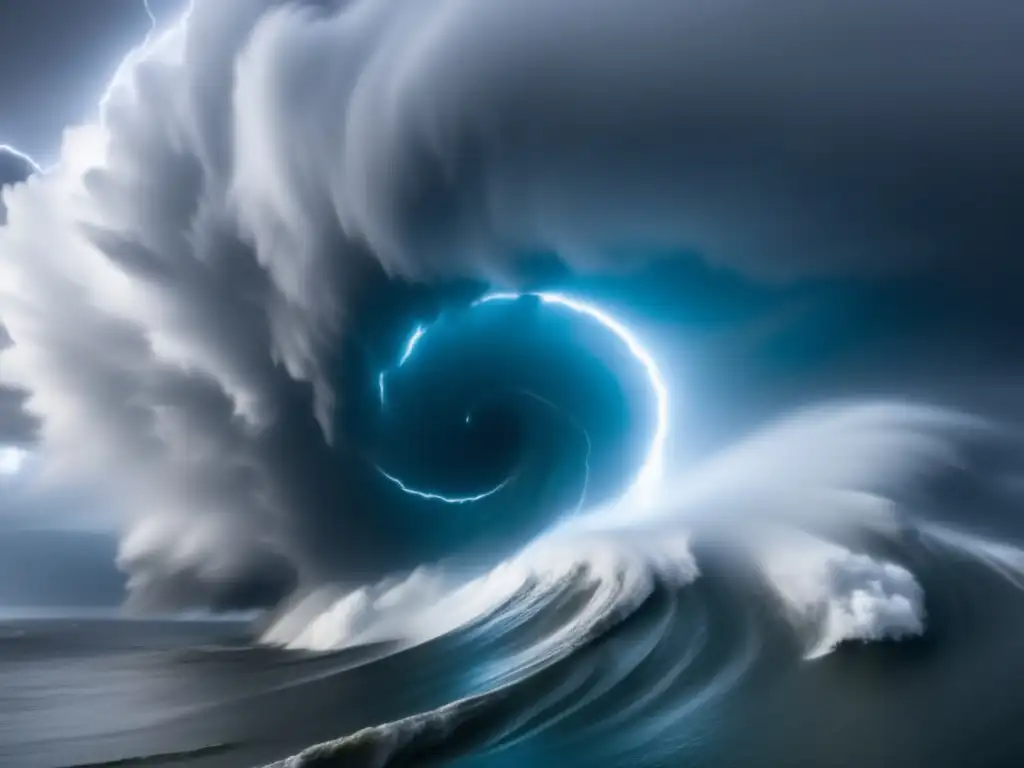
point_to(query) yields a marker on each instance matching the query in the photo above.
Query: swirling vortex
(651, 469)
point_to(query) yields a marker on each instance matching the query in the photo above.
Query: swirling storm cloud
(802, 217)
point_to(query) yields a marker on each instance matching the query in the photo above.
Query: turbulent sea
(598, 658)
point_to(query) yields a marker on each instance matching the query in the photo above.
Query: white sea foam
(835, 595)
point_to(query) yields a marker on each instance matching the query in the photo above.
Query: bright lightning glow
(651, 470)
(411, 344)
(12, 460)
(149, 42)
(135, 54)
(439, 497)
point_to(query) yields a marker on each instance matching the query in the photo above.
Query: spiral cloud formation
(272, 183)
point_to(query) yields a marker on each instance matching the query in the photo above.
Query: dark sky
(55, 57)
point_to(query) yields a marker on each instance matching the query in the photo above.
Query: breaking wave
(806, 537)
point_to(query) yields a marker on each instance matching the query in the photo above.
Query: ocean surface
(590, 663)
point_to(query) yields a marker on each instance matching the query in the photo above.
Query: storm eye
(651, 467)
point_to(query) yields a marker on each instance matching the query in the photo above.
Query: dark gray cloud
(192, 287)
(16, 426)
(803, 138)
(14, 167)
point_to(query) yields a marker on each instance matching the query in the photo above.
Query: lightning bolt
(120, 75)
(137, 53)
(7, 148)
(410, 345)
(439, 497)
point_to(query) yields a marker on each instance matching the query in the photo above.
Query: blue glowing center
(652, 467)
